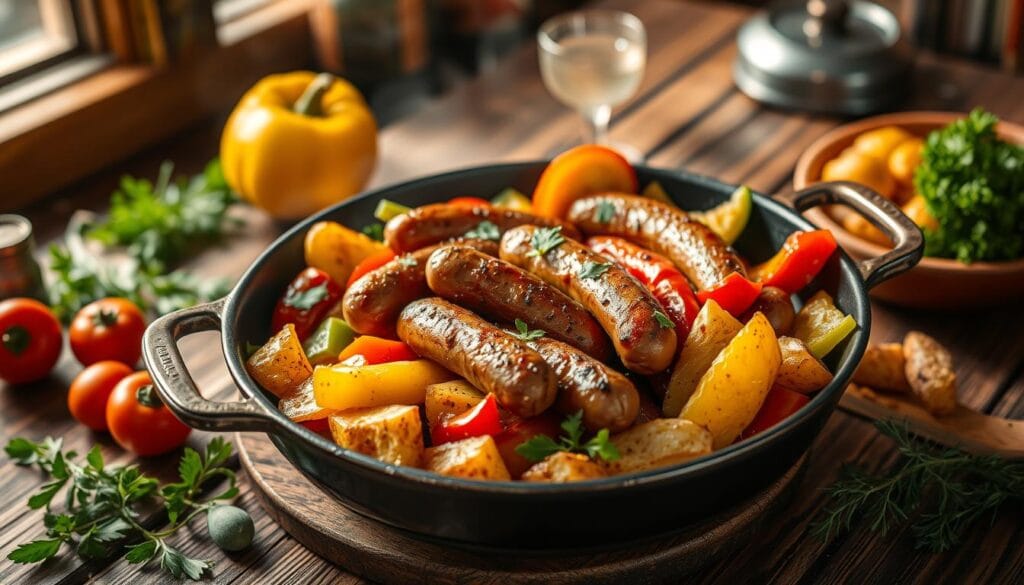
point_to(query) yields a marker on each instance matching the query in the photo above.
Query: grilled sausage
(693, 247)
(776, 306)
(487, 357)
(431, 224)
(623, 307)
(502, 291)
(372, 304)
(608, 400)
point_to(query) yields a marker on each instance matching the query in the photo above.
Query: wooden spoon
(964, 428)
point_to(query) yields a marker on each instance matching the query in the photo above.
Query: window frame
(62, 39)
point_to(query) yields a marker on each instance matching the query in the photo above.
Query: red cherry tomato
(139, 420)
(91, 389)
(108, 329)
(30, 340)
(306, 302)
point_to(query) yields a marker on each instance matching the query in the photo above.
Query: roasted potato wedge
(732, 390)
(562, 467)
(301, 404)
(342, 387)
(392, 434)
(473, 458)
(280, 365)
(883, 367)
(800, 371)
(821, 325)
(449, 399)
(336, 249)
(660, 442)
(710, 333)
(929, 371)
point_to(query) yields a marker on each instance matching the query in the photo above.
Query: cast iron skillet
(527, 515)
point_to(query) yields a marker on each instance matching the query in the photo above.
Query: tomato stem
(16, 339)
(105, 318)
(147, 396)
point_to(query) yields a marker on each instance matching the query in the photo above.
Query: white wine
(593, 70)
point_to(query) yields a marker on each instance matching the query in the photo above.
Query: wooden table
(687, 115)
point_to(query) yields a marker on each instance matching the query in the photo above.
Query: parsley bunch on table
(943, 491)
(101, 505)
(973, 184)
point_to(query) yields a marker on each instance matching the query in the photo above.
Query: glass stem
(597, 122)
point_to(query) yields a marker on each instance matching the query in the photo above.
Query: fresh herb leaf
(973, 185)
(36, 551)
(599, 446)
(178, 565)
(305, 299)
(663, 321)
(374, 231)
(593, 270)
(23, 451)
(407, 260)
(945, 490)
(141, 553)
(484, 230)
(605, 211)
(523, 332)
(545, 239)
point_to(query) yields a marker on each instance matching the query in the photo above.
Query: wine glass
(593, 60)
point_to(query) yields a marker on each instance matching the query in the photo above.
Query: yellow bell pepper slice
(821, 326)
(337, 250)
(405, 382)
(510, 198)
(728, 219)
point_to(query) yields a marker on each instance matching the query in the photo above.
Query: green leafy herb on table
(599, 446)
(943, 490)
(101, 504)
(973, 184)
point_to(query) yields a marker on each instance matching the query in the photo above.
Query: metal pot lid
(834, 56)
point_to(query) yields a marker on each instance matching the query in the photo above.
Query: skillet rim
(287, 430)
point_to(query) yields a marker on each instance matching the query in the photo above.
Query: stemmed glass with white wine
(593, 60)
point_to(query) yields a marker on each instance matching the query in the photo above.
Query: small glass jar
(19, 273)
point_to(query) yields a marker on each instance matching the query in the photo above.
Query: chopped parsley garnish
(605, 211)
(594, 270)
(663, 320)
(525, 333)
(600, 445)
(305, 300)
(484, 230)
(407, 260)
(545, 239)
(374, 231)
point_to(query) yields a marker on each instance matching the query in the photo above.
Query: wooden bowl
(935, 283)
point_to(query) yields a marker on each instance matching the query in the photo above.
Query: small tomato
(91, 389)
(108, 329)
(139, 420)
(30, 340)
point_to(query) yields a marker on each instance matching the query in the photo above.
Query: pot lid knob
(833, 56)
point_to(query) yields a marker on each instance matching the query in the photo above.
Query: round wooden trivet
(385, 554)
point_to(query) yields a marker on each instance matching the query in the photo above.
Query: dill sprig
(942, 491)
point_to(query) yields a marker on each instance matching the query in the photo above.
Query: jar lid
(833, 56)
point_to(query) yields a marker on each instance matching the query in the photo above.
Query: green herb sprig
(599, 446)
(524, 333)
(485, 230)
(101, 505)
(593, 270)
(545, 239)
(605, 211)
(944, 491)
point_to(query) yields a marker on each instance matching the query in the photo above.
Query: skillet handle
(175, 384)
(882, 213)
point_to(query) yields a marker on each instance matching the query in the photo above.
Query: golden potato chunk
(883, 367)
(301, 404)
(280, 365)
(660, 442)
(711, 331)
(562, 467)
(800, 371)
(392, 434)
(929, 372)
(449, 399)
(472, 458)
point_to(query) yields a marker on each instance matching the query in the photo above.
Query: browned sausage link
(777, 308)
(606, 397)
(698, 251)
(502, 291)
(431, 224)
(372, 304)
(623, 307)
(489, 358)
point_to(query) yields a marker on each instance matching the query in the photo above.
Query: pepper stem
(310, 103)
(147, 396)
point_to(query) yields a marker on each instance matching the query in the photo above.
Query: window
(228, 10)
(33, 35)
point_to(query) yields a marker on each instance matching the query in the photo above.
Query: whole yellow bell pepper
(299, 142)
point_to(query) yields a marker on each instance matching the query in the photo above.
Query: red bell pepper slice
(778, 406)
(319, 426)
(482, 419)
(735, 294)
(518, 431)
(377, 350)
(306, 302)
(369, 264)
(797, 262)
(658, 274)
(469, 202)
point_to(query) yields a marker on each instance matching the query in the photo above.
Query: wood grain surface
(686, 115)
